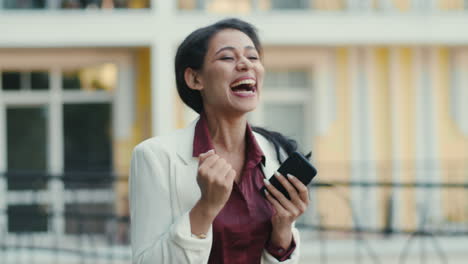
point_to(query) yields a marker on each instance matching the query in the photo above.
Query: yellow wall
(228, 6)
(450, 4)
(453, 145)
(328, 4)
(402, 5)
(382, 124)
(406, 132)
(332, 150)
(141, 127)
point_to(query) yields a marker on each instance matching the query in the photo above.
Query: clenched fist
(215, 179)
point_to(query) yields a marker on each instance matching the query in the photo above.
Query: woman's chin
(246, 107)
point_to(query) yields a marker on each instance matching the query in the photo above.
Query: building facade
(378, 90)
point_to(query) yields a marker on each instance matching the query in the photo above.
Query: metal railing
(72, 4)
(355, 6)
(95, 233)
(243, 6)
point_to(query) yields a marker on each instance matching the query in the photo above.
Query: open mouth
(244, 87)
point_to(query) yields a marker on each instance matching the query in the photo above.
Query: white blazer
(163, 190)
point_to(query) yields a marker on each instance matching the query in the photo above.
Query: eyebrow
(232, 48)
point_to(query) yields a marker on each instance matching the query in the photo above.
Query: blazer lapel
(185, 170)
(271, 163)
(185, 174)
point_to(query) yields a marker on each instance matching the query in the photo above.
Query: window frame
(285, 96)
(121, 100)
(318, 99)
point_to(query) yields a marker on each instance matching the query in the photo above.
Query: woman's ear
(192, 78)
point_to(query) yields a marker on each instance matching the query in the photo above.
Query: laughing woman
(195, 194)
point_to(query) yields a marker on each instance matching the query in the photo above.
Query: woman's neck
(227, 132)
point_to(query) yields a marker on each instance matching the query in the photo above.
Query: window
(25, 4)
(26, 147)
(286, 105)
(288, 118)
(87, 145)
(82, 218)
(25, 80)
(290, 4)
(19, 218)
(57, 126)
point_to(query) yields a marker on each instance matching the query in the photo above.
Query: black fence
(83, 218)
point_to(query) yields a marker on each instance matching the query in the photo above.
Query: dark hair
(191, 54)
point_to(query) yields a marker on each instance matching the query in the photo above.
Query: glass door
(26, 128)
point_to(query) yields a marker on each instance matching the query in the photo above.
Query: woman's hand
(215, 179)
(286, 211)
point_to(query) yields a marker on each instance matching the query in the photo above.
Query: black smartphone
(297, 165)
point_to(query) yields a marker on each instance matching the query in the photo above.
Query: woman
(195, 194)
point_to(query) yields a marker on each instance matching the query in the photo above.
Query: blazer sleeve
(272, 165)
(159, 237)
(267, 258)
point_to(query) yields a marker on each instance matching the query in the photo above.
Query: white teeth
(246, 81)
(244, 92)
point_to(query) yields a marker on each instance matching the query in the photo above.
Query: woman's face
(232, 74)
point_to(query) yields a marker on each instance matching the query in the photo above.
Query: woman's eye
(253, 58)
(227, 58)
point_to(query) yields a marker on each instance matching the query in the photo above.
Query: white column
(427, 163)
(363, 168)
(462, 109)
(395, 82)
(123, 105)
(52, 4)
(164, 8)
(162, 72)
(56, 158)
(255, 5)
(368, 136)
(459, 92)
(386, 5)
(423, 5)
(163, 87)
(324, 92)
(201, 4)
(353, 5)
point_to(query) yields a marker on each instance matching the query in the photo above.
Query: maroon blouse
(242, 228)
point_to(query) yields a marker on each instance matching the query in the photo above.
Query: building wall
(453, 143)
(141, 127)
(391, 78)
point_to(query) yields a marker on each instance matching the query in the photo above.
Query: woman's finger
(279, 209)
(287, 185)
(285, 202)
(219, 166)
(208, 162)
(205, 155)
(301, 188)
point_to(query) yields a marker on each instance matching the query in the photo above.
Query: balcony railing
(356, 6)
(93, 232)
(250, 6)
(72, 4)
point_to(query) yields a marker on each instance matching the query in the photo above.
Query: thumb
(205, 155)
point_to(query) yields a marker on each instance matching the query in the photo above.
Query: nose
(244, 64)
